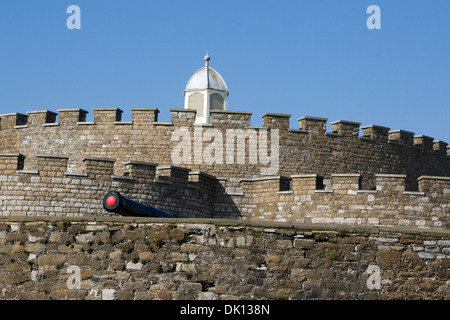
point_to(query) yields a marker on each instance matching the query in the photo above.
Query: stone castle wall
(306, 150)
(190, 259)
(53, 191)
(264, 199)
(344, 217)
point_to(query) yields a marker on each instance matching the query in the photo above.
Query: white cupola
(205, 91)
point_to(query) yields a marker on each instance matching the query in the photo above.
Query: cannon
(115, 202)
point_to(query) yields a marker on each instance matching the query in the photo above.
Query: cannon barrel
(115, 202)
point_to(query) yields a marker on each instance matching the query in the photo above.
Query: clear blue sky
(302, 57)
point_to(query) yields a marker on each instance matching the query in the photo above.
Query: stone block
(390, 256)
(51, 259)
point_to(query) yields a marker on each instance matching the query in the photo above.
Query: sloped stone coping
(359, 229)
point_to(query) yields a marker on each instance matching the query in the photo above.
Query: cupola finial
(207, 58)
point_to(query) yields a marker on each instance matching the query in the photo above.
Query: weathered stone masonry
(306, 150)
(345, 203)
(126, 258)
(52, 191)
(64, 168)
(346, 217)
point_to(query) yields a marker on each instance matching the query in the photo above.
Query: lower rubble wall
(199, 259)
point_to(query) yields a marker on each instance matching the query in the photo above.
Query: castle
(209, 163)
(64, 168)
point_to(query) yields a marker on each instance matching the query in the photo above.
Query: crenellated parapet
(148, 117)
(62, 144)
(50, 188)
(308, 200)
(225, 118)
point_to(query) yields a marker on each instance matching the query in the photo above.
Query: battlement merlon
(13, 120)
(390, 183)
(70, 117)
(346, 183)
(313, 124)
(183, 117)
(424, 142)
(144, 116)
(345, 128)
(176, 176)
(435, 186)
(107, 115)
(207, 184)
(141, 172)
(229, 118)
(52, 165)
(440, 147)
(306, 183)
(41, 117)
(401, 136)
(99, 168)
(10, 163)
(276, 120)
(375, 132)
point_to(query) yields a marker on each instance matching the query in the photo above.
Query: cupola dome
(206, 78)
